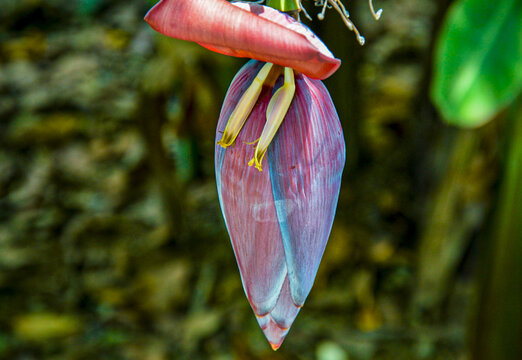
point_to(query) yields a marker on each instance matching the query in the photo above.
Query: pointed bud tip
(275, 347)
(274, 333)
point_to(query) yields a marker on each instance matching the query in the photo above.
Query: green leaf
(478, 60)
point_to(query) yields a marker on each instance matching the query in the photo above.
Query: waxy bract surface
(279, 219)
(245, 30)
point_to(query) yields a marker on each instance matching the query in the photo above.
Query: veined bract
(279, 219)
(278, 118)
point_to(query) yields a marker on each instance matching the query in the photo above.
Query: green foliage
(478, 62)
(495, 332)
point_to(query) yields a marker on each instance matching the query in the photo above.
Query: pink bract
(245, 30)
(279, 219)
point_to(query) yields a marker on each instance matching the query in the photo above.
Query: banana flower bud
(278, 118)
(279, 219)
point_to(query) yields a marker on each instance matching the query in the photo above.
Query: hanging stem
(285, 5)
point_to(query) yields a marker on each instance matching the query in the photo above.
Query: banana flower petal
(279, 219)
(245, 30)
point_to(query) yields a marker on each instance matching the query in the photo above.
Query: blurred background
(112, 243)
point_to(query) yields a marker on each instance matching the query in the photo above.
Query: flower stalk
(285, 5)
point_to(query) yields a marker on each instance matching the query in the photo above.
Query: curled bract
(245, 30)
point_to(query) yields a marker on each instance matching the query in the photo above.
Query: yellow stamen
(275, 113)
(244, 107)
(252, 143)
